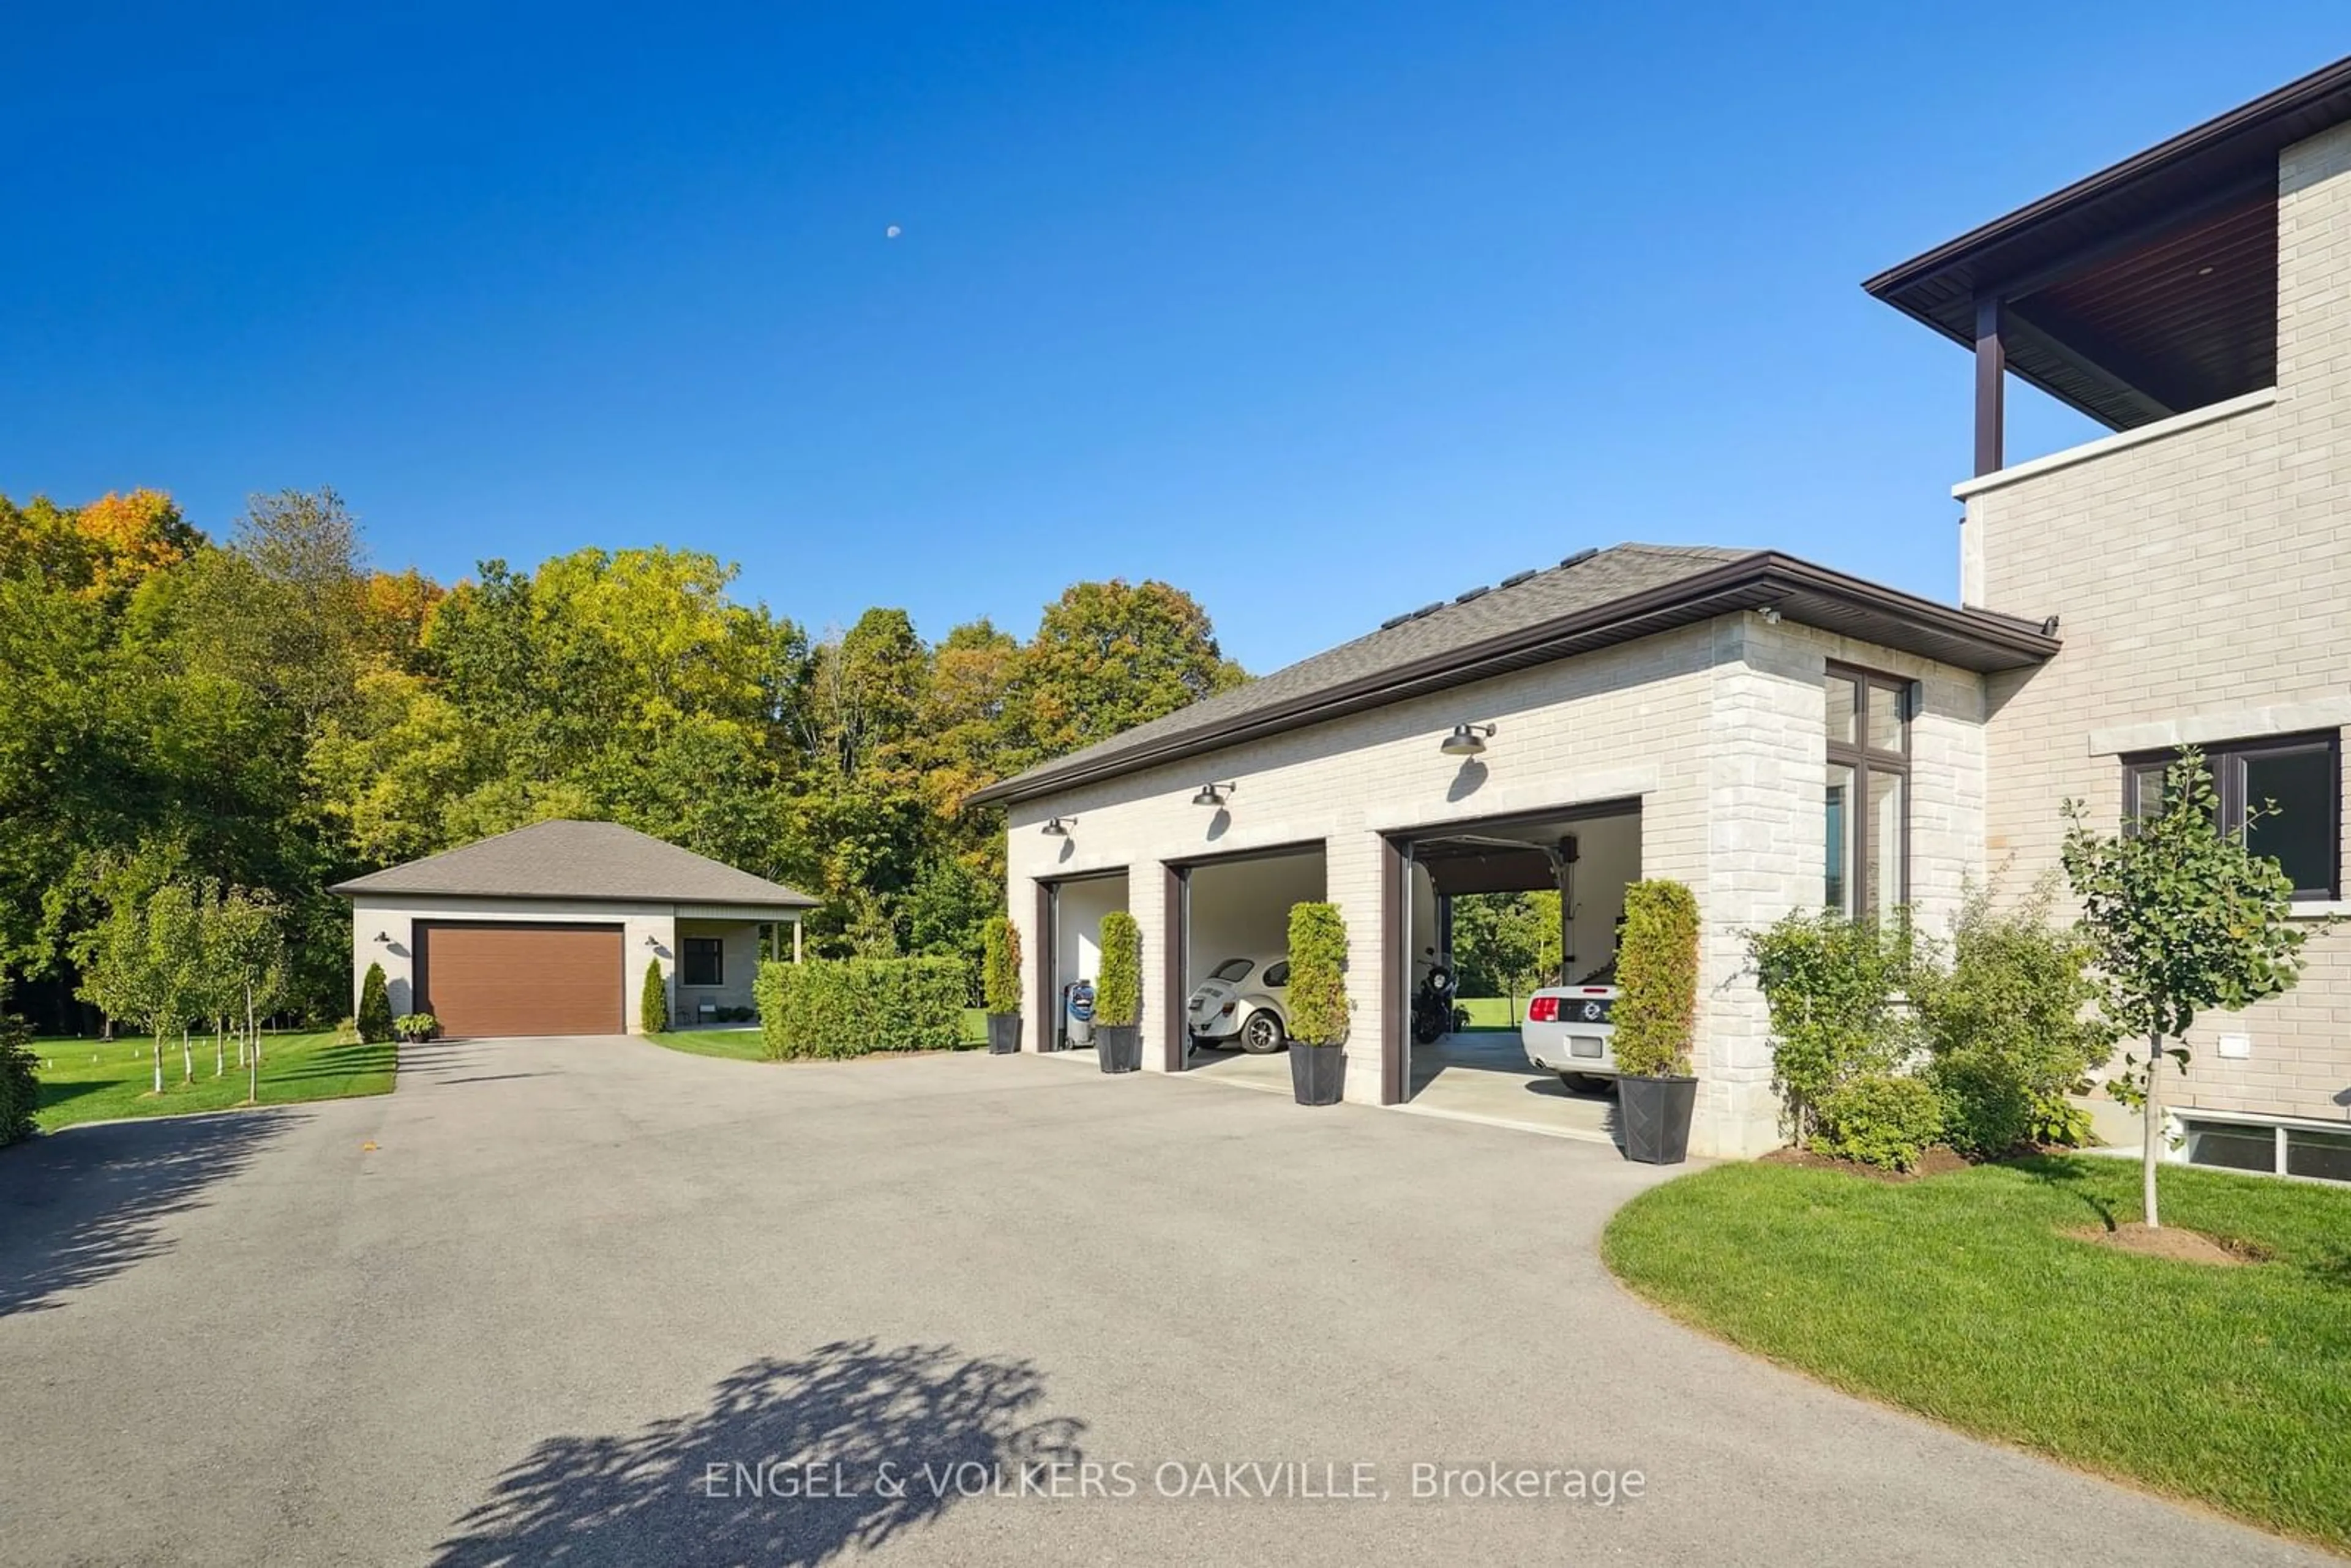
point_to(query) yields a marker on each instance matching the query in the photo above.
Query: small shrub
(2010, 1025)
(1657, 978)
(413, 1027)
(375, 1006)
(20, 1088)
(2061, 1124)
(1883, 1119)
(999, 970)
(653, 1001)
(1318, 975)
(1118, 989)
(851, 1006)
(1833, 987)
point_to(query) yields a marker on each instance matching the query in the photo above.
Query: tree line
(263, 715)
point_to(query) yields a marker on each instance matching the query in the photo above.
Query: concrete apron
(1480, 1076)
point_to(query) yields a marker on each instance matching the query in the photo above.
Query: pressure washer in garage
(1078, 1014)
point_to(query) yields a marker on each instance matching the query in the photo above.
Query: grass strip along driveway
(743, 1044)
(96, 1081)
(1963, 1298)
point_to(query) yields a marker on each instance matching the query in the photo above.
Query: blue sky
(1319, 312)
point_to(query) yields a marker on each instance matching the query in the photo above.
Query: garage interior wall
(1078, 955)
(1421, 936)
(1608, 861)
(1241, 909)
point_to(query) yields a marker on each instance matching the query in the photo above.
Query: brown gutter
(1752, 581)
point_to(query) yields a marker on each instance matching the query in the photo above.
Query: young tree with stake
(250, 948)
(215, 985)
(174, 965)
(2184, 916)
(117, 979)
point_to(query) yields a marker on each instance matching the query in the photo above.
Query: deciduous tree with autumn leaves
(266, 710)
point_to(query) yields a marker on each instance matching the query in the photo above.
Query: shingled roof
(1588, 600)
(577, 862)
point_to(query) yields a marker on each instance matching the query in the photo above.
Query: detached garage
(548, 930)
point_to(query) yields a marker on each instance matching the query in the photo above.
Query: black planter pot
(1318, 1073)
(1656, 1115)
(1003, 1033)
(1119, 1046)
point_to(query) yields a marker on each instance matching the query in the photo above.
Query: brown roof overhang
(2197, 190)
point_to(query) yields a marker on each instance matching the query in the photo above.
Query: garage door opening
(1232, 941)
(1514, 906)
(484, 979)
(1070, 914)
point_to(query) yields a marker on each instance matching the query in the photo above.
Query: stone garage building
(548, 930)
(1771, 732)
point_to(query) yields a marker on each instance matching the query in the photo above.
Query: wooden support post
(1991, 386)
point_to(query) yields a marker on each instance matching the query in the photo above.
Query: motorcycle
(1433, 1013)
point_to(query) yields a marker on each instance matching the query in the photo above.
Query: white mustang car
(1569, 1031)
(1243, 1002)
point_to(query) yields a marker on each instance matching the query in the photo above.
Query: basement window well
(2268, 1148)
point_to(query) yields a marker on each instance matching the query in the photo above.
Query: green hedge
(856, 1006)
(20, 1090)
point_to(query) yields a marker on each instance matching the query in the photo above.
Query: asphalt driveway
(595, 1301)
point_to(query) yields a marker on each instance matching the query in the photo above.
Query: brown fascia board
(357, 888)
(1750, 582)
(2212, 135)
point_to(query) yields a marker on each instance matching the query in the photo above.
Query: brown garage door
(516, 979)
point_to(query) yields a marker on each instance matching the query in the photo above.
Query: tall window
(1869, 791)
(2300, 776)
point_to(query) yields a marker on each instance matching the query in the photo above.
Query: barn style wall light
(1213, 794)
(1464, 740)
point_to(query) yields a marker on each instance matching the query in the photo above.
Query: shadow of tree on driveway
(689, 1489)
(78, 1205)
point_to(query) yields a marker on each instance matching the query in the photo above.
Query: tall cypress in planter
(1118, 995)
(999, 984)
(1655, 1015)
(1318, 1003)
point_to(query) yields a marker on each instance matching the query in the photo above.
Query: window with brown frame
(2294, 781)
(1868, 801)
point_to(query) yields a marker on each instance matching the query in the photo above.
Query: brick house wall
(2201, 571)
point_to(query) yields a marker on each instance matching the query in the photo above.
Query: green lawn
(1491, 1012)
(736, 1042)
(95, 1081)
(742, 1042)
(1959, 1297)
